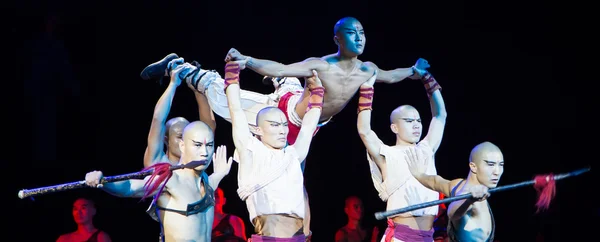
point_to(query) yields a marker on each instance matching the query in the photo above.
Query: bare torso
(340, 86)
(185, 188)
(476, 225)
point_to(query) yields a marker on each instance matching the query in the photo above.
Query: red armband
(232, 74)
(316, 98)
(431, 85)
(365, 99)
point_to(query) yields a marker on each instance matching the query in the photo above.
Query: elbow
(442, 115)
(363, 131)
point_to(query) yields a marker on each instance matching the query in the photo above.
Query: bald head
(177, 123)
(401, 112)
(346, 21)
(485, 151)
(267, 114)
(195, 129)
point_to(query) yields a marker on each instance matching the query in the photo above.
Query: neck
(86, 227)
(172, 158)
(353, 224)
(400, 142)
(345, 57)
(472, 179)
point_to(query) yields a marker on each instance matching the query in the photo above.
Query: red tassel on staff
(163, 171)
(546, 189)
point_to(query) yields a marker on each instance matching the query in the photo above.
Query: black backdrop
(501, 65)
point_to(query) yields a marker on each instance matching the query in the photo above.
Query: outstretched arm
(363, 124)
(311, 118)
(438, 110)
(399, 74)
(272, 68)
(241, 132)
(460, 208)
(154, 151)
(127, 188)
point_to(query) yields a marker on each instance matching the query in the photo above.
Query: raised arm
(241, 132)
(311, 118)
(438, 110)
(399, 74)
(272, 68)
(206, 114)
(363, 122)
(154, 151)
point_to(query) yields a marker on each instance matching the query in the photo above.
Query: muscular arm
(368, 137)
(239, 229)
(309, 125)
(438, 121)
(206, 114)
(458, 209)
(129, 188)
(299, 69)
(154, 151)
(240, 131)
(392, 76)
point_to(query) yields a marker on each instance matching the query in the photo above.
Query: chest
(337, 80)
(479, 219)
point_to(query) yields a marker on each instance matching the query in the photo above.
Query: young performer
(389, 170)
(270, 177)
(470, 219)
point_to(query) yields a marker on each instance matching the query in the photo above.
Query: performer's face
(175, 137)
(351, 38)
(273, 129)
(199, 145)
(83, 211)
(354, 209)
(219, 199)
(489, 168)
(407, 126)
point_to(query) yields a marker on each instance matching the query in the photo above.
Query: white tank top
(273, 183)
(401, 189)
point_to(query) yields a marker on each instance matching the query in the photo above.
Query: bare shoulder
(235, 219)
(454, 183)
(63, 237)
(103, 236)
(368, 67)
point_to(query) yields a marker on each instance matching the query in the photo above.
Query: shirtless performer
(270, 177)
(388, 166)
(210, 83)
(169, 134)
(184, 204)
(469, 220)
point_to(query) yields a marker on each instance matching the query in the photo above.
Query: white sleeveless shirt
(401, 188)
(273, 183)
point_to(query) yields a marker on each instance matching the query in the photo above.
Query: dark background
(507, 72)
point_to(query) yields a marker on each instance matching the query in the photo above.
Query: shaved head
(343, 22)
(266, 112)
(485, 151)
(351, 200)
(272, 127)
(197, 128)
(175, 123)
(401, 112)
